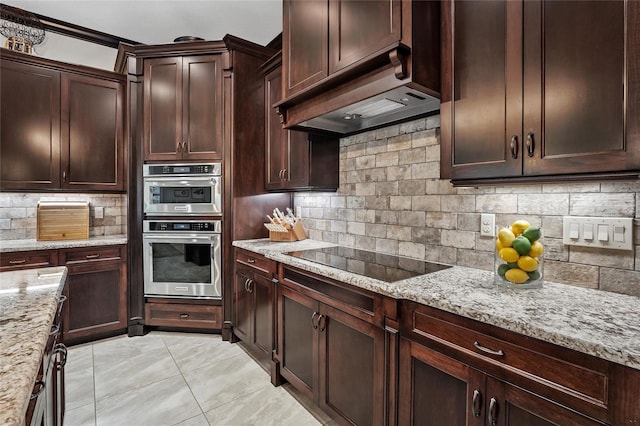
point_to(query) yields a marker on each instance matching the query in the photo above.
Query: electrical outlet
(298, 210)
(99, 212)
(487, 225)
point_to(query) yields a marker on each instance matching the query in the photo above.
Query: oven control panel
(182, 169)
(205, 226)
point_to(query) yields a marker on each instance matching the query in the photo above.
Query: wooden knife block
(280, 233)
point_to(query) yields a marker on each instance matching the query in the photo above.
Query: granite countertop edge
(10, 246)
(595, 322)
(26, 316)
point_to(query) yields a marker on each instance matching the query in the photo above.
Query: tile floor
(168, 378)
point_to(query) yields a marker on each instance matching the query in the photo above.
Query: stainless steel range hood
(391, 106)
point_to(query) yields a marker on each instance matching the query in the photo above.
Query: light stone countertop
(9, 246)
(28, 303)
(595, 322)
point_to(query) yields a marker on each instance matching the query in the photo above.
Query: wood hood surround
(359, 64)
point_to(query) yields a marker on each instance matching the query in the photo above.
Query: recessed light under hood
(394, 105)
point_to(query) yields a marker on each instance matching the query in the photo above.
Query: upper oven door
(189, 195)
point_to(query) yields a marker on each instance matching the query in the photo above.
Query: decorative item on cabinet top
(62, 220)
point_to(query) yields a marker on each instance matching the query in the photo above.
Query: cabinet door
(202, 107)
(574, 86)
(481, 106)
(297, 340)
(509, 405)
(29, 127)
(262, 289)
(96, 292)
(242, 306)
(358, 29)
(277, 137)
(163, 109)
(351, 368)
(305, 43)
(437, 389)
(92, 147)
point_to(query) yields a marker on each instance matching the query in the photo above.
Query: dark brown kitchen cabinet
(539, 89)
(62, 126)
(335, 358)
(183, 108)
(96, 292)
(29, 126)
(254, 303)
(482, 374)
(295, 160)
(92, 155)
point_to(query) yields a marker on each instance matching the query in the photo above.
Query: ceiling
(152, 22)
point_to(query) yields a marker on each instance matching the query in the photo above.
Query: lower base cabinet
(335, 359)
(96, 292)
(179, 314)
(438, 390)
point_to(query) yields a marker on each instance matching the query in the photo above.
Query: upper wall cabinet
(540, 90)
(183, 108)
(340, 53)
(295, 160)
(61, 126)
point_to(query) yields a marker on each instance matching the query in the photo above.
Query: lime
(532, 233)
(519, 226)
(534, 275)
(536, 249)
(527, 263)
(522, 245)
(506, 237)
(502, 269)
(512, 265)
(517, 276)
(509, 254)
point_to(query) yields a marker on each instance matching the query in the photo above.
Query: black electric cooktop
(383, 267)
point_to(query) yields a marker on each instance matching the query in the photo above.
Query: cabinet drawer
(28, 260)
(90, 254)
(183, 315)
(256, 261)
(566, 376)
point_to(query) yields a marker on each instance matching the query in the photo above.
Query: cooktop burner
(383, 267)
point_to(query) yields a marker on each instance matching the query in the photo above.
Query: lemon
(522, 245)
(532, 233)
(509, 254)
(527, 263)
(536, 249)
(517, 276)
(519, 226)
(499, 245)
(506, 237)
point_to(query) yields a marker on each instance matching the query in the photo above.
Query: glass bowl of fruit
(518, 259)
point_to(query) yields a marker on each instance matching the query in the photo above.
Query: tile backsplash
(391, 200)
(18, 213)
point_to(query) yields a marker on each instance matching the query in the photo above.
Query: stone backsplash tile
(410, 211)
(18, 213)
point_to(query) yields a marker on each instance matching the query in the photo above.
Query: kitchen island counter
(595, 322)
(28, 303)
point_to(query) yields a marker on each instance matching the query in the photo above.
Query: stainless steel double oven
(182, 230)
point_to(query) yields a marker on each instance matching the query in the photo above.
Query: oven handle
(186, 238)
(187, 181)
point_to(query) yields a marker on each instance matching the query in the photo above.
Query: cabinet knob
(179, 147)
(514, 146)
(314, 324)
(284, 174)
(250, 260)
(531, 146)
(184, 316)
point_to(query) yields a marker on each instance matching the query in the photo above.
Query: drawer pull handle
(477, 403)
(322, 322)
(37, 393)
(513, 146)
(251, 260)
(55, 329)
(17, 262)
(92, 256)
(487, 350)
(61, 349)
(531, 146)
(493, 412)
(184, 316)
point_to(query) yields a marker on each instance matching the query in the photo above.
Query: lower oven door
(182, 266)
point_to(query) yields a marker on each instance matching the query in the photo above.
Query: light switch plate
(487, 225)
(602, 232)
